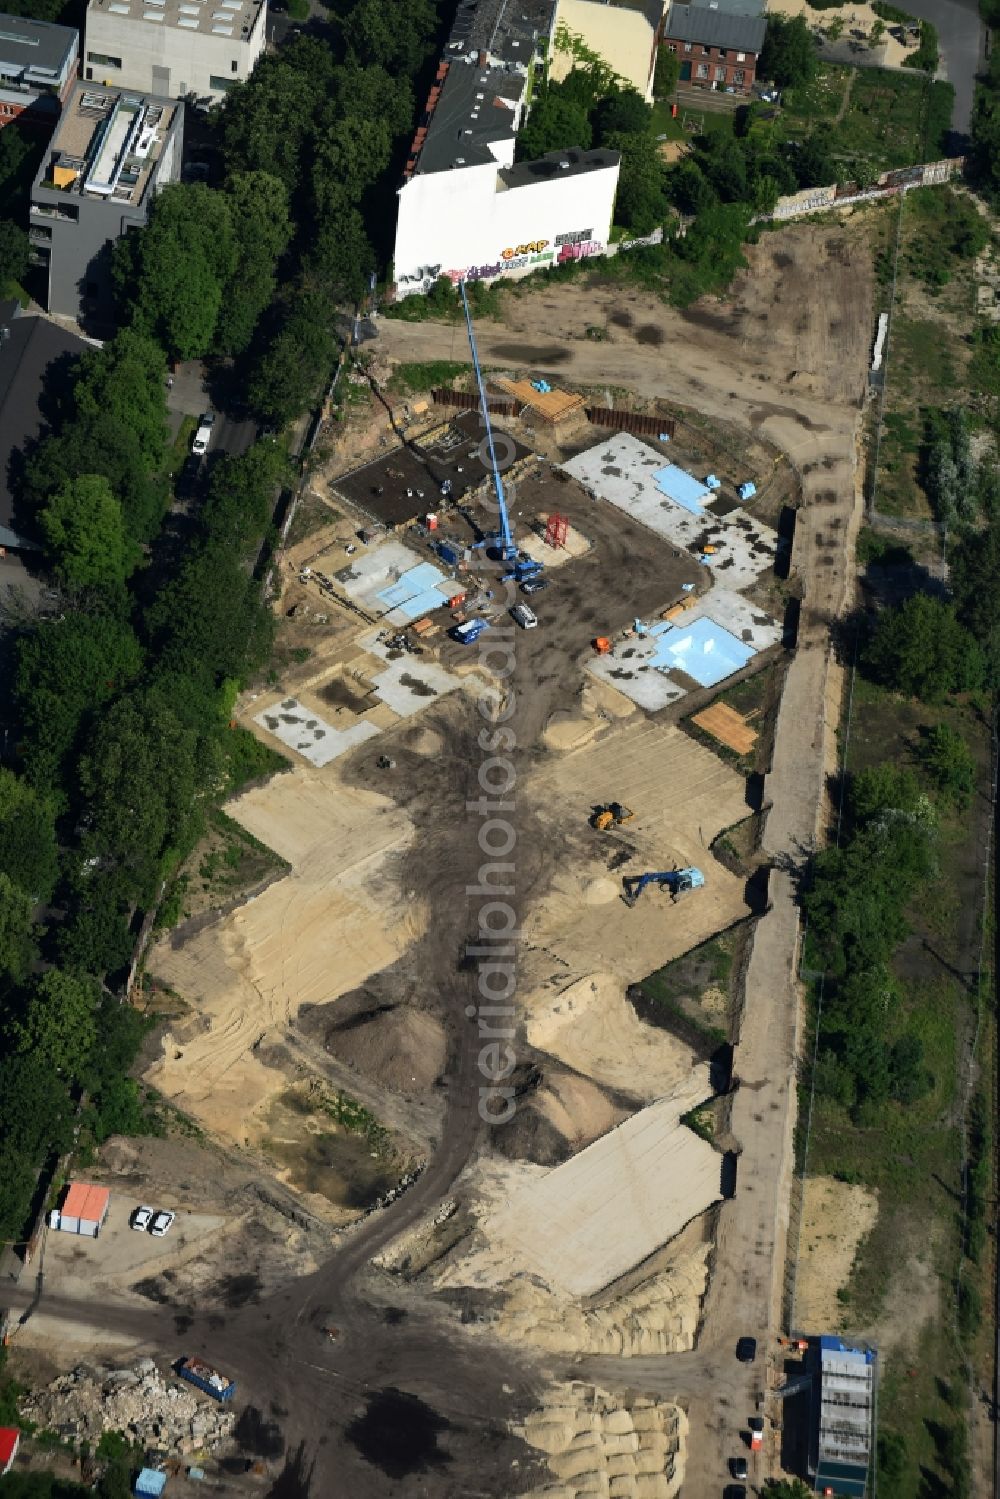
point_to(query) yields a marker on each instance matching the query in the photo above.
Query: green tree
(242, 493)
(57, 1022)
(17, 930)
(642, 201)
(789, 55)
(96, 936)
(85, 533)
(112, 421)
(66, 672)
(296, 360)
(667, 73)
(258, 209)
(340, 260)
(399, 38)
(28, 850)
(212, 614)
(143, 792)
(949, 763)
(35, 1109)
(267, 119)
(624, 113)
(172, 274)
(554, 124)
(921, 650)
(13, 252)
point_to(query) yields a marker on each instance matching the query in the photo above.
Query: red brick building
(717, 49)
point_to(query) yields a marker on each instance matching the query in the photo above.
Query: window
(706, 51)
(702, 70)
(741, 57)
(720, 75)
(222, 84)
(738, 78)
(722, 51)
(235, 66)
(687, 46)
(103, 61)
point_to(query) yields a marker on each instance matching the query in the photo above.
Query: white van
(203, 434)
(525, 617)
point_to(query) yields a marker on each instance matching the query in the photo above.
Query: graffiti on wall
(421, 279)
(579, 245)
(579, 251)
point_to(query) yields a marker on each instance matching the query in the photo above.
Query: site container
(197, 1372)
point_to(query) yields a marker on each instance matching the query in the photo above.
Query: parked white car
(141, 1218)
(161, 1224)
(525, 617)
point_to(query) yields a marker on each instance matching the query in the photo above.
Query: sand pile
(591, 1026)
(836, 1217)
(660, 1316)
(395, 1046)
(565, 732)
(596, 1443)
(558, 1113)
(424, 742)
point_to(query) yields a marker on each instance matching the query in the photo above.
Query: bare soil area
(836, 1218)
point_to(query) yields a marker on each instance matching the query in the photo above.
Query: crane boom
(508, 549)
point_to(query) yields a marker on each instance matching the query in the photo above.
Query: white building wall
(186, 61)
(457, 224)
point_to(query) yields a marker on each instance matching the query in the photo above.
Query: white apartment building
(466, 211)
(174, 47)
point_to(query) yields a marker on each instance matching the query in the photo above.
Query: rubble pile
(137, 1401)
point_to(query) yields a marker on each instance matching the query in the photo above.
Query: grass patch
(411, 379)
(890, 119)
(180, 448)
(311, 515)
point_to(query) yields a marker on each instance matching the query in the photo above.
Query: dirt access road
(786, 355)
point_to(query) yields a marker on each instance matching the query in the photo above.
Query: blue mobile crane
(521, 567)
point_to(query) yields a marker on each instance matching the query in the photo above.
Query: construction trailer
(84, 1211)
(843, 1423)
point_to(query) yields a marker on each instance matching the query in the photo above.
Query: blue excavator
(677, 881)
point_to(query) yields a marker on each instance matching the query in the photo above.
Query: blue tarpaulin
(682, 488)
(150, 1483)
(703, 650)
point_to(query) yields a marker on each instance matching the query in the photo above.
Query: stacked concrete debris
(170, 1416)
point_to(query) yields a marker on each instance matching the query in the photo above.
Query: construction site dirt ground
(374, 914)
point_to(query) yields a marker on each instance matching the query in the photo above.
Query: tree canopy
(922, 650)
(84, 529)
(789, 55)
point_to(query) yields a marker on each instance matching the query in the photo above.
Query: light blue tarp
(682, 488)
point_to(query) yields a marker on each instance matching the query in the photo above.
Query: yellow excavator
(611, 816)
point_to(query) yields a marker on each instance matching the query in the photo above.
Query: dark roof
(558, 164)
(714, 28)
(36, 45)
(506, 29)
(477, 106)
(29, 345)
